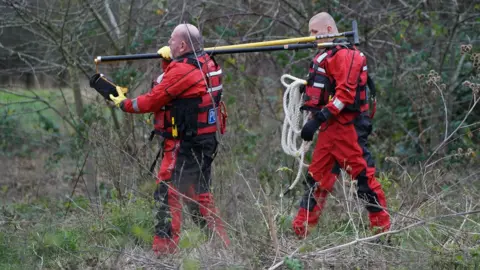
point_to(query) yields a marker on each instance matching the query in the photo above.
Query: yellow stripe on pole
(221, 50)
(264, 43)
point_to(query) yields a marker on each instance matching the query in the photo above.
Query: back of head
(321, 24)
(191, 35)
(185, 39)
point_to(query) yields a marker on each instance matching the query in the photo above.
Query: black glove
(313, 124)
(302, 88)
(103, 86)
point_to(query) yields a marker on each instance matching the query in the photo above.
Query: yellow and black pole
(265, 46)
(353, 33)
(102, 59)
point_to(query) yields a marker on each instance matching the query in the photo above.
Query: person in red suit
(186, 102)
(336, 94)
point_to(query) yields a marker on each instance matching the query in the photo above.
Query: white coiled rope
(293, 123)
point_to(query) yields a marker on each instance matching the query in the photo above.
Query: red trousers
(185, 172)
(342, 146)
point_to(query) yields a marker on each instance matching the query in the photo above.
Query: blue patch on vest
(212, 117)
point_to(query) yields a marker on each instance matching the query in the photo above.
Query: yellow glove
(123, 89)
(121, 95)
(165, 52)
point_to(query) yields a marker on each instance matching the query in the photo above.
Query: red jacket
(183, 81)
(337, 80)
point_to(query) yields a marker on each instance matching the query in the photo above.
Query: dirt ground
(27, 178)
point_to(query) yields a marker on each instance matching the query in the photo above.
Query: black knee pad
(336, 169)
(365, 193)
(309, 182)
(161, 192)
(308, 200)
(163, 227)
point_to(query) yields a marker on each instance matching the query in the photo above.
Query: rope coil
(293, 123)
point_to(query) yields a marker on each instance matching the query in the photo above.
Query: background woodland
(74, 172)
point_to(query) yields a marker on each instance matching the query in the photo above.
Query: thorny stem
(476, 100)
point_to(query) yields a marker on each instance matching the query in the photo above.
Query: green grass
(27, 120)
(31, 115)
(27, 116)
(42, 231)
(8, 97)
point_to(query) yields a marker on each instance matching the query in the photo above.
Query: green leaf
(141, 233)
(306, 248)
(191, 264)
(293, 264)
(192, 239)
(284, 169)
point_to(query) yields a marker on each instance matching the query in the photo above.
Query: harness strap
(154, 163)
(373, 91)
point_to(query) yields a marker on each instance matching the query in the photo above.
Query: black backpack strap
(154, 163)
(214, 61)
(160, 151)
(371, 86)
(373, 94)
(194, 62)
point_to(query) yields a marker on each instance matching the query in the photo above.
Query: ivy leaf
(293, 264)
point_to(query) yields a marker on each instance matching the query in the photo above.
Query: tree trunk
(77, 94)
(90, 168)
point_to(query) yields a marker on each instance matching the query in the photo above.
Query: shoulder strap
(194, 62)
(214, 61)
(371, 86)
(191, 60)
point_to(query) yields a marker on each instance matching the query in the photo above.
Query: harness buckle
(174, 128)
